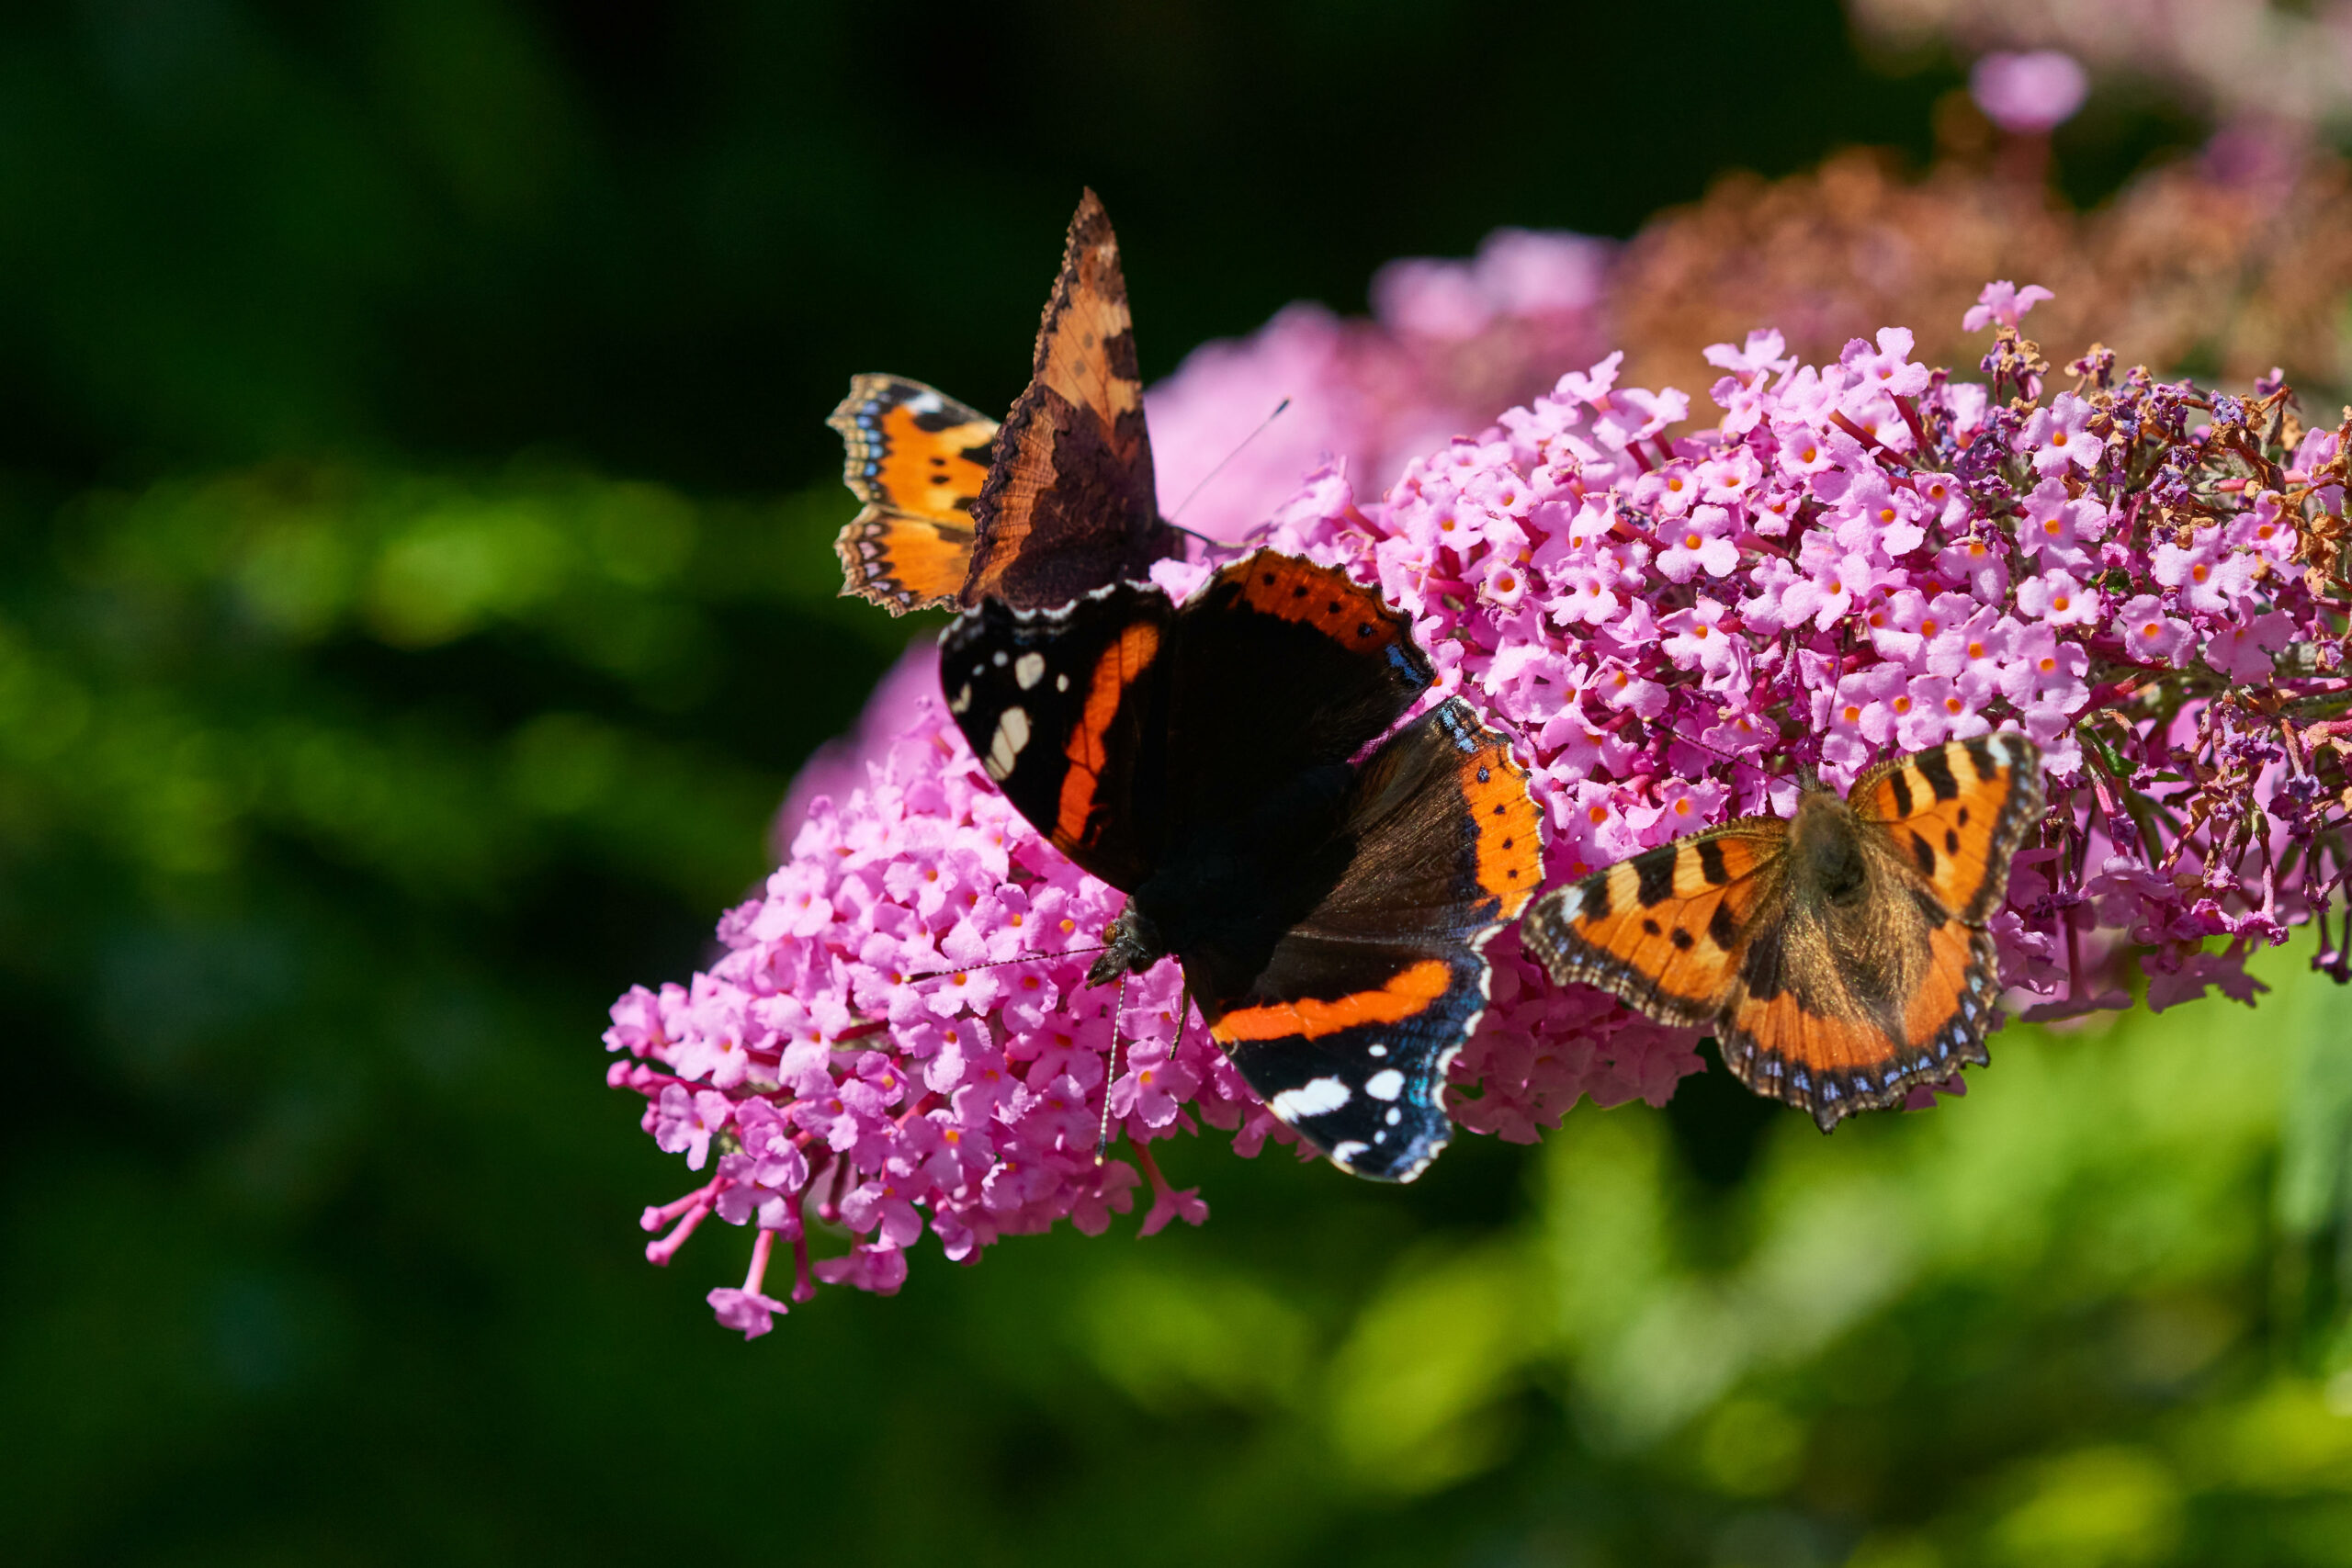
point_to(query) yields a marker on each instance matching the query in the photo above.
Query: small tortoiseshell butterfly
(1056, 504)
(1840, 957)
(1330, 915)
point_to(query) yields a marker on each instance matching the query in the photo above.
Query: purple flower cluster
(1859, 557)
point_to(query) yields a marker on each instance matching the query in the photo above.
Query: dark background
(660, 237)
(413, 599)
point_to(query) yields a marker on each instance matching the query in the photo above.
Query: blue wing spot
(1397, 657)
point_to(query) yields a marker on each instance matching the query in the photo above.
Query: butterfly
(1059, 502)
(1330, 915)
(1839, 956)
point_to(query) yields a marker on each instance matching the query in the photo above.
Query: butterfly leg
(1111, 1073)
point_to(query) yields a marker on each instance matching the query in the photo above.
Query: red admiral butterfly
(1328, 914)
(1058, 503)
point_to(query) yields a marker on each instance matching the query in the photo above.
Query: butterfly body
(1329, 914)
(1057, 502)
(1839, 956)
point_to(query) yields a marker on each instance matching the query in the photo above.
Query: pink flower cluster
(1859, 557)
(835, 1083)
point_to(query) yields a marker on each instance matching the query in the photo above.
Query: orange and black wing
(917, 459)
(1288, 669)
(1847, 1010)
(1807, 1004)
(1667, 929)
(1066, 711)
(1834, 1025)
(1346, 1024)
(1071, 503)
(1957, 812)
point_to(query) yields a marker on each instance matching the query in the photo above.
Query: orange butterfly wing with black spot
(1057, 504)
(1959, 811)
(1839, 959)
(1071, 503)
(917, 459)
(1665, 928)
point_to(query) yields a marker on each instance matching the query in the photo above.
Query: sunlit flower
(1666, 656)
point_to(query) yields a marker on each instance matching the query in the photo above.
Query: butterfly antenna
(1694, 740)
(1229, 458)
(1111, 1075)
(998, 964)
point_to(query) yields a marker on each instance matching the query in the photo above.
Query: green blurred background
(416, 598)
